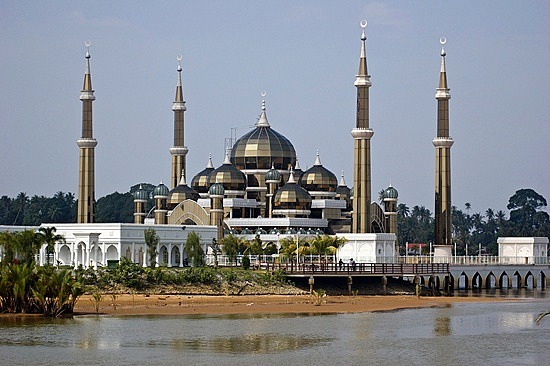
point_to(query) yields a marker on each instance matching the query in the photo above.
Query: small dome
(181, 193)
(230, 177)
(161, 190)
(291, 196)
(318, 178)
(141, 194)
(216, 189)
(390, 193)
(199, 183)
(273, 175)
(262, 147)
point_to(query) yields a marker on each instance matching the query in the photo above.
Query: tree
(49, 237)
(29, 243)
(526, 218)
(9, 244)
(255, 246)
(231, 247)
(151, 241)
(326, 245)
(194, 250)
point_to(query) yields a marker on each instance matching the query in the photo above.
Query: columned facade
(442, 144)
(86, 145)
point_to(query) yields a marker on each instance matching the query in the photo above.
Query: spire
(443, 90)
(227, 161)
(87, 92)
(297, 165)
(291, 177)
(210, 165)
(179, 102)
(317, 160)
(363, 78)
(262, 121)
(182, 180)
(342, 180)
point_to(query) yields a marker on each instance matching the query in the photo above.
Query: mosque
(259, 189)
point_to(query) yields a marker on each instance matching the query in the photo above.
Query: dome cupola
(263, 147)
(230, 177)
(199, 183)
(291, 200)
(318, 180)
(181, 193)
(161, 190)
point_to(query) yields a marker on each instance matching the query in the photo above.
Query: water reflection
(249, 343)
(442, 326)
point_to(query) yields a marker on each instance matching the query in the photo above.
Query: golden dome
(227, 175)
(318, 178)
(263, 147)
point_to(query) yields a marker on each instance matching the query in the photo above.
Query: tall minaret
(86, 145)
(179, 150)
(362, 134)
(443, 143)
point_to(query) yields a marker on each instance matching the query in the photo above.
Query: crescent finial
(88, 44)
(442, 40)
(363, 23)
(179, 57)
(263, 94)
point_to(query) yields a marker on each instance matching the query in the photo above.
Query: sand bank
(194, 304)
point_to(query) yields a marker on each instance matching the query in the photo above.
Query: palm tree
(49, 237)
(194, 250)
(231, 246)
(326, 245)
(29, 244)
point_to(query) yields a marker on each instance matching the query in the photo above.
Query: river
(499, 333)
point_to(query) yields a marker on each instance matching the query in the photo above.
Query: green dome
(216, 189)
(161, 190)
(141, 194)
(272, 175)
(391, 193)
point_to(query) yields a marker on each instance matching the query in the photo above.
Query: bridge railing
(474, 260)
(358, 268)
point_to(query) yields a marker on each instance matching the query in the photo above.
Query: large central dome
(263, 148)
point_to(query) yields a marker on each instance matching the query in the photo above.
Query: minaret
(443, 143)
(362, 134)
(86, 145)
(179, 150)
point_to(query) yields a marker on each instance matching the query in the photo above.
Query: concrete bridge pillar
(469, 283)
(534, 282)
(497, 282)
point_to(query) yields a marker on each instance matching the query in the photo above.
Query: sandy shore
(194, 304)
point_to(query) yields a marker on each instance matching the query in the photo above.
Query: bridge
(449, 273)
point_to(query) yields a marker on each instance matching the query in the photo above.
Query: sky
(304, 55)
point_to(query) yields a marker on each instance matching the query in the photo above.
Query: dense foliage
(472, 229)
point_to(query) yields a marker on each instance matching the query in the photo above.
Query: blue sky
(305, 56)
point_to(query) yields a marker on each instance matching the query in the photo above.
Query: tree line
(416, 224)
(470, 229)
